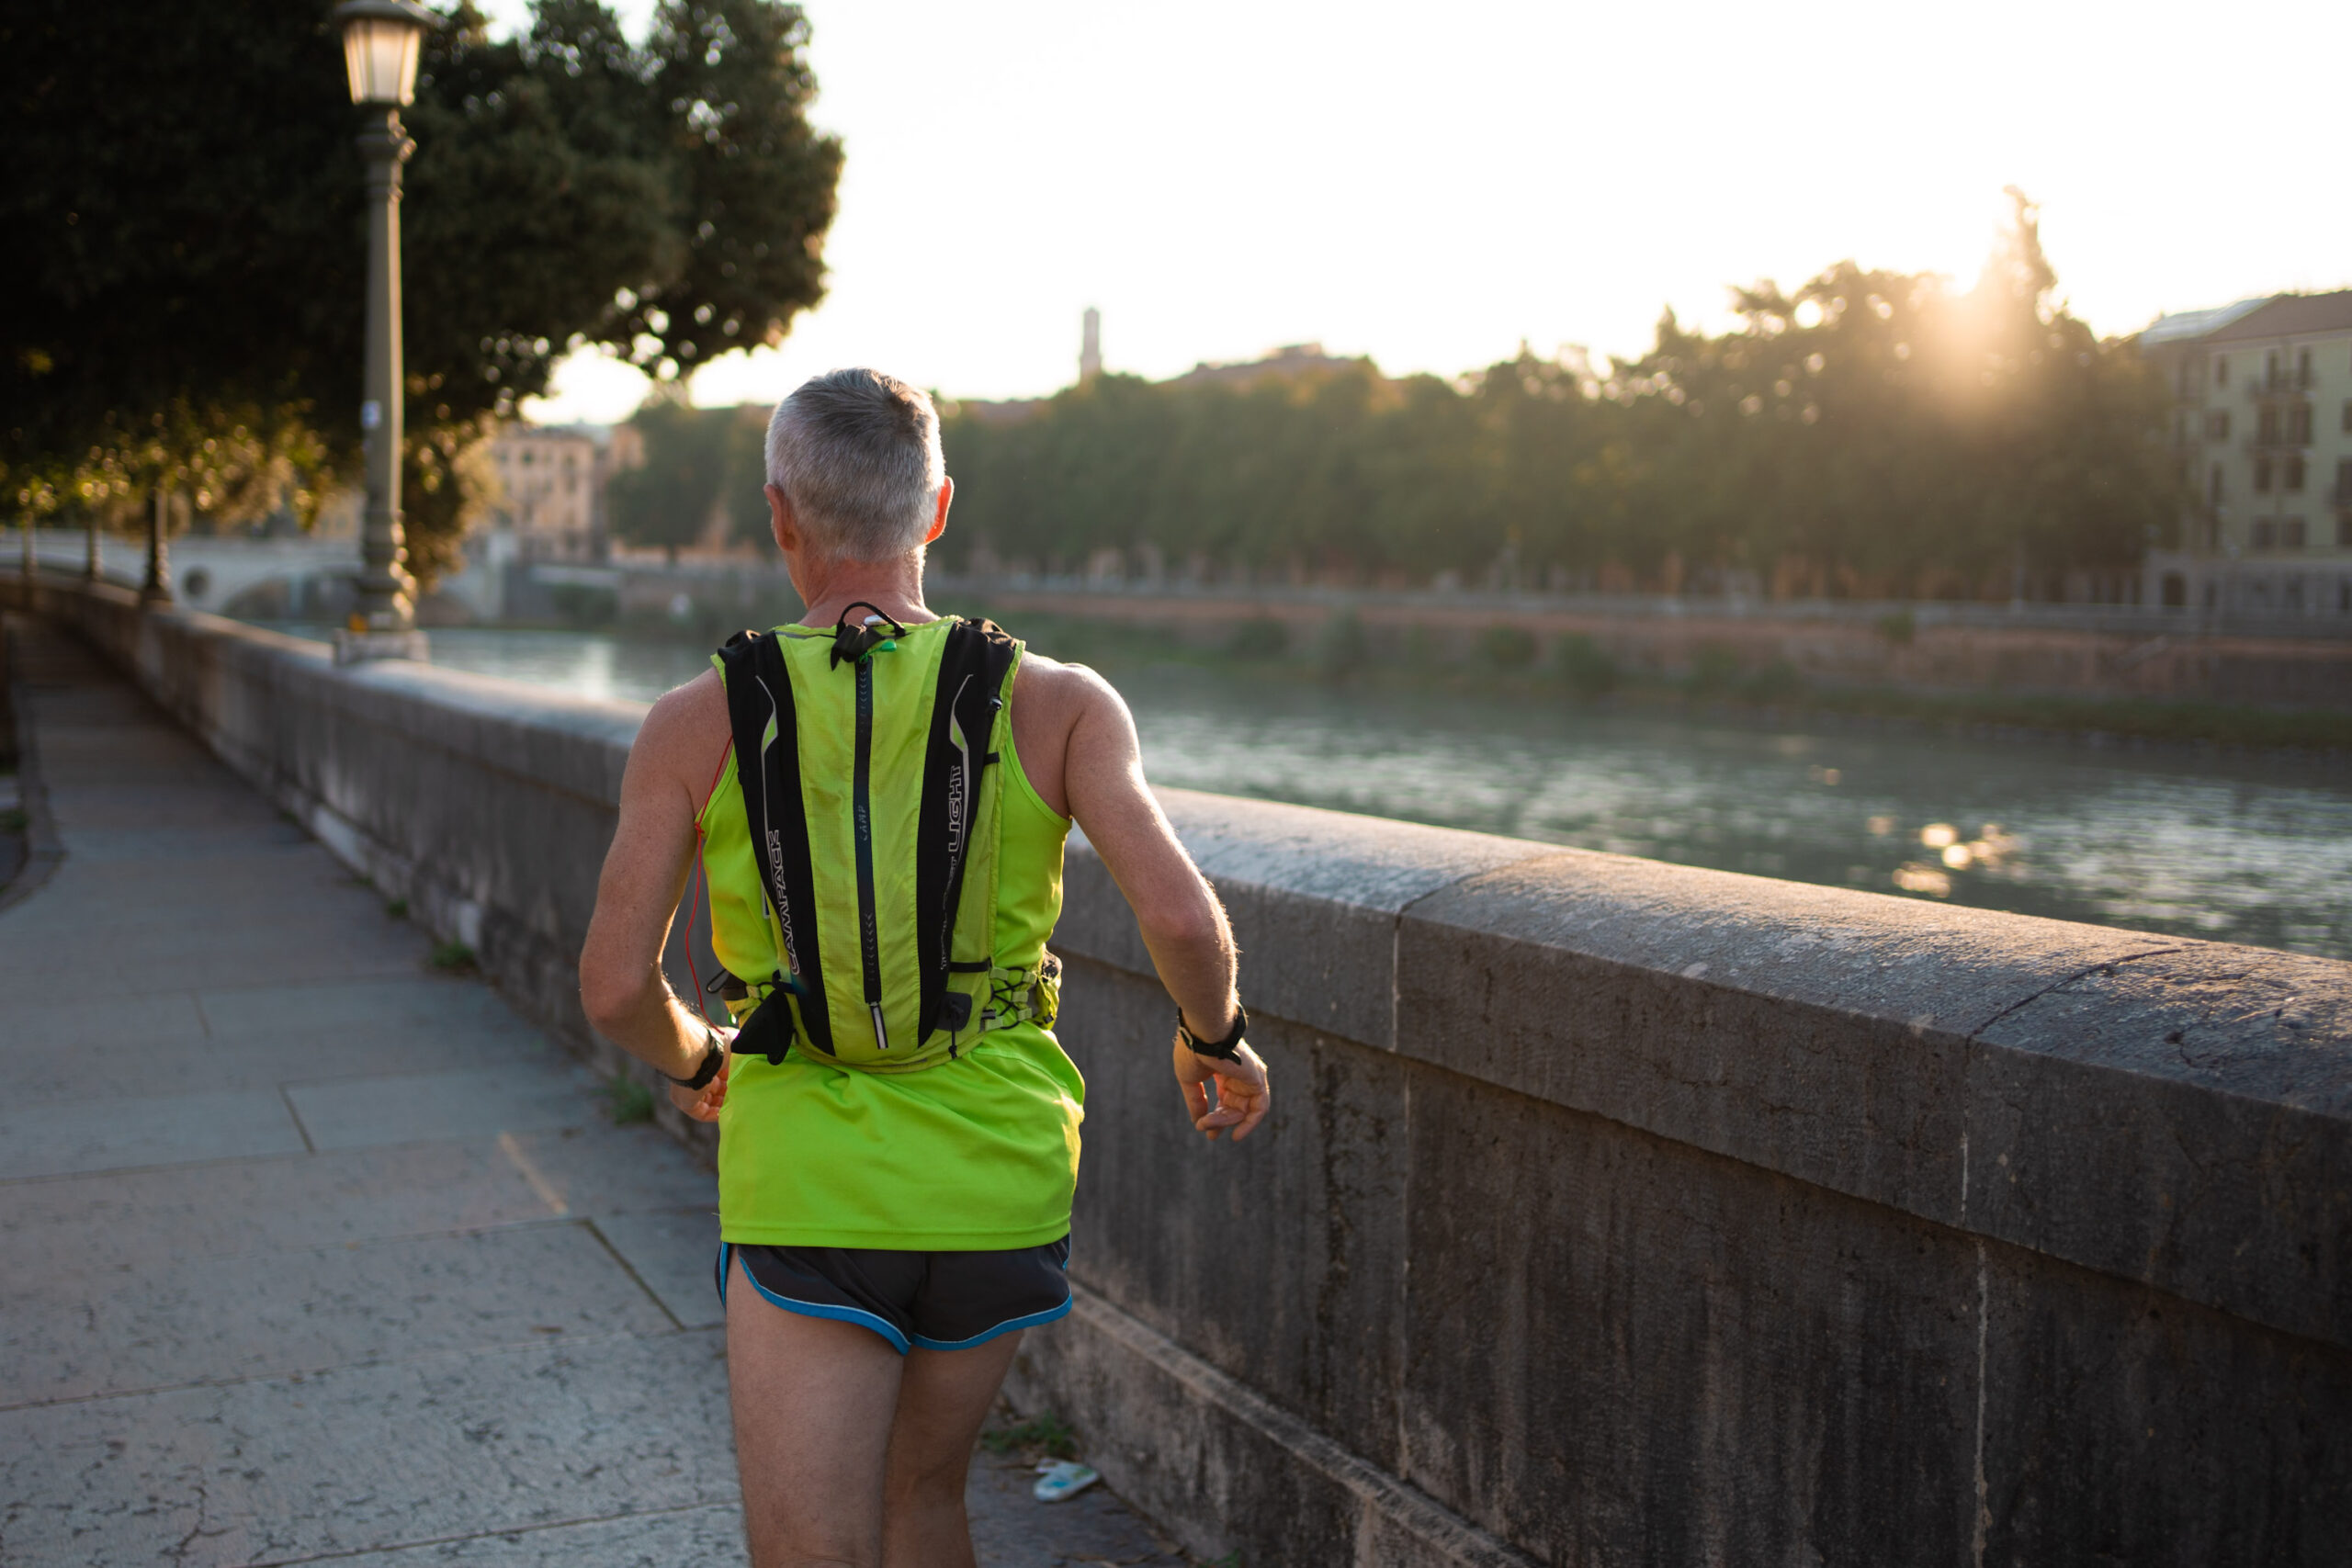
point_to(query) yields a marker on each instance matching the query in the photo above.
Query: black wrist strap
(1225, 1049)
(714, 1053)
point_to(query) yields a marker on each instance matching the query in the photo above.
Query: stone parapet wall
(1611, 1211)
(1637, 1212)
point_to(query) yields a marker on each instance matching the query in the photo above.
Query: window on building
(2299, 425)
(2213, 489)
(2221, 370)
(2262, 476)
(2270, 369)
(2217, 426)
(2304, 368)
(2266, 533)
(2291, 534)
(2344, 481)
(2290, 478)
(2265, 426)
(2347, 419)
(2343, 532)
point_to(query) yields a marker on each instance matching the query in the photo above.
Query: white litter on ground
(1061, 1479)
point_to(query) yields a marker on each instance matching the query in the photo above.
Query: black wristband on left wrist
(714, 1053)
(1225, 1049)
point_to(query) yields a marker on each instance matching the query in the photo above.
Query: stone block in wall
(2183, 1119)
(1314, 897)
(1280, 1260)
(2122, 1424)
(1621, 1348)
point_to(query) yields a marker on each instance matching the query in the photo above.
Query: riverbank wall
(1609, 1210)
(2081, 651)
(2064, 651)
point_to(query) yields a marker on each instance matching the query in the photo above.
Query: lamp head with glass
(380, 48)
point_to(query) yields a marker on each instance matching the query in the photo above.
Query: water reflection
(2239, 848)
(2235, 848)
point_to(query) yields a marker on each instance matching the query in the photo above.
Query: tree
(186, 225)
(699, 464)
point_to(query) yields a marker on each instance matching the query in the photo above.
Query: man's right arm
(1182, 924)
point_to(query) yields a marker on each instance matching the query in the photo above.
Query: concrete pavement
(309, 1252)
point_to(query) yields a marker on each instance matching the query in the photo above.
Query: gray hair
(857, 454)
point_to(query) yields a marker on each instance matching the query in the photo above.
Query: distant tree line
(1870, 434)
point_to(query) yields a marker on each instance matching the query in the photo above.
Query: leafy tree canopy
(182, 297)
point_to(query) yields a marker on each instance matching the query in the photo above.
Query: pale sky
(1430, 185)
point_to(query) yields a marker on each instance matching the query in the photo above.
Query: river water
(2234, 847)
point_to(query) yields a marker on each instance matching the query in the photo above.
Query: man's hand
(703, 1103)
(1242, 1093)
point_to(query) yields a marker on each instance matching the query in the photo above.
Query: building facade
(2262, 426)
(553, 481)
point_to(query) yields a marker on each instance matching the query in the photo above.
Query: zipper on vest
(869, 939)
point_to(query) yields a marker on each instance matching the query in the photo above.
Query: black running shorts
(931, 1301)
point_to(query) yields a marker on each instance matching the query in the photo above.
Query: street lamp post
(157, 587)
(381, 40)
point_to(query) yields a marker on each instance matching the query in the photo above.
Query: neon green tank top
(976, 1151)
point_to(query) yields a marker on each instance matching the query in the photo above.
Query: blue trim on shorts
(858, 1315)
(1007, 1326)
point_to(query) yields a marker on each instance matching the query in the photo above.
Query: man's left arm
(622, 988)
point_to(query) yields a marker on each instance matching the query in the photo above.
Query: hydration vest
(868, 759)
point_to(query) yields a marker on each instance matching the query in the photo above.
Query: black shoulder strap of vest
(971, 681)
(767, 764)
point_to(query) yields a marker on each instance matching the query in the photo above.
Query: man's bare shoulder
(1053, 704)
(685, 732)
(1063, 691)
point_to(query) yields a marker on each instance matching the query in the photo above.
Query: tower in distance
(1090, 348)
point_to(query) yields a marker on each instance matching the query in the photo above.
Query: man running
(880, 797)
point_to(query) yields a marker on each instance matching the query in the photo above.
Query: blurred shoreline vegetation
(1869, 434)
(186, 271)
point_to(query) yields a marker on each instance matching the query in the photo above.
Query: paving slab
(310, 1057)
(433, 1105)
(603, 1169)
(113, 1134)
(414, 1002)
(128, 849)
(710, 1535)
(159, 1219)
(136, 1325)
(60, 1019)
(675, 1255)
(366, 1458)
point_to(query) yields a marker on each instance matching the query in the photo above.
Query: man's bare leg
(813, 1404)
(942, 1398)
